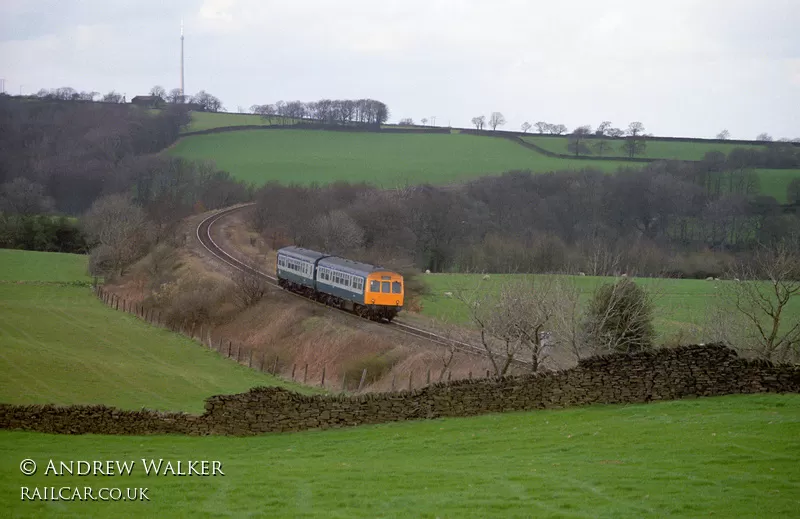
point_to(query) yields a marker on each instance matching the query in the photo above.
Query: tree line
(326, 111)
(674, 218)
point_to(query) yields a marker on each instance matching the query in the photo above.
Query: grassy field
(725, 457)
(681, 304)
(208, 120)
(19, 265)
(655, 149)
(775, 181)
(59, 344)
(306, 156)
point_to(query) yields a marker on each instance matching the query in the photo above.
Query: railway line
(204, 237)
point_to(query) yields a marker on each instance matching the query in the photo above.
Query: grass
(731, 457)
(681, 305)
(59, 344)
(208, 120)
(655, 149)
(773, 181)
(20, 265)
(388, 160)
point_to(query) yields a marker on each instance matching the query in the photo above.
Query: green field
(19, 265)
(388, 160)
(656, 149)
(775, 181)
(208, 120)
(726, 457)
(680, 304)
(60, 345)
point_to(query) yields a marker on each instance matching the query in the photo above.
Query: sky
(681, 67)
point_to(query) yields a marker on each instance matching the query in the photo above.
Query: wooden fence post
(470, 375)
(363, 378)
(116, 307)
(263, 358)
(239, 353)
(487, 373)
(393, 379)
(250, 361)
(275, 365)
(344, 381)
(410, 375)
(449, 375)
(305, 373)
(322, 384)
(294, 366)
(229, 350)
(428, 378)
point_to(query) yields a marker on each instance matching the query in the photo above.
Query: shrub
(619, 318)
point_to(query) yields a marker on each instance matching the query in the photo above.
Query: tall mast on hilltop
(183, 94)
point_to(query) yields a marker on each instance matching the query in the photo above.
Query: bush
(619, 318)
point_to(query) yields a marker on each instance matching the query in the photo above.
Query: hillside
(732, 456)
(389, 160)
(61, 345)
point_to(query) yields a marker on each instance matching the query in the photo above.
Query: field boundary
(666, 374)
(313, 126)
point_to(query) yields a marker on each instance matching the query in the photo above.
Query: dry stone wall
(689, 371)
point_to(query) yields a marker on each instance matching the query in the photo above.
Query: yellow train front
(367, 290)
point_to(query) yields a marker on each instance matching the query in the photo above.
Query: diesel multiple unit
(367, 290)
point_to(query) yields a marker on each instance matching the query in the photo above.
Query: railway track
(203, 233)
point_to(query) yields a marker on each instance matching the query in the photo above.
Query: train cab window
(396, 289)
(374, 286)
(385, 287)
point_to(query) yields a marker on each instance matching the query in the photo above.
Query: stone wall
(689, 371)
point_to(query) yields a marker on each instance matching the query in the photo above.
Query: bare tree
(577, 140)
(250, 288)
(557, 129)
(175, 96)
(511, 321)
(496, 119)
(724, 135)
(113, 97)
(541, 126)
(479, 122)
(525, 127)
(634, 144)
(601, 147)
(566, 321)
(424, 121)
(761, 296)
(764, 137)
(337, 232)
(119, 229)
(207, 102)
(408, 121)
(615, 133)
(159, 91)
(603, 128)
(21, 196)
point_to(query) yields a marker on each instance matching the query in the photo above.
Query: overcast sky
(681, 67)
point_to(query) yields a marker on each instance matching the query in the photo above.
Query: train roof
(343, 264)
(349, 265)
(308, 254)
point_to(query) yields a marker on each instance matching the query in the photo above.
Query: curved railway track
(203, 233)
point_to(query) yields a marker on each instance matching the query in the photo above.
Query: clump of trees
(367, 112)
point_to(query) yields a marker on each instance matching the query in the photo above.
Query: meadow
(731, 457)
(59, 344)
(388, 160)
(19, 265)
(656, 149)
(681, 305)
(208, 120)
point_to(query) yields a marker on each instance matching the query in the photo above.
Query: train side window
(385, 287)
(396, 287)
(374, 286)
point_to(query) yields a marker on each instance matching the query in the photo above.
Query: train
(367, 290)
